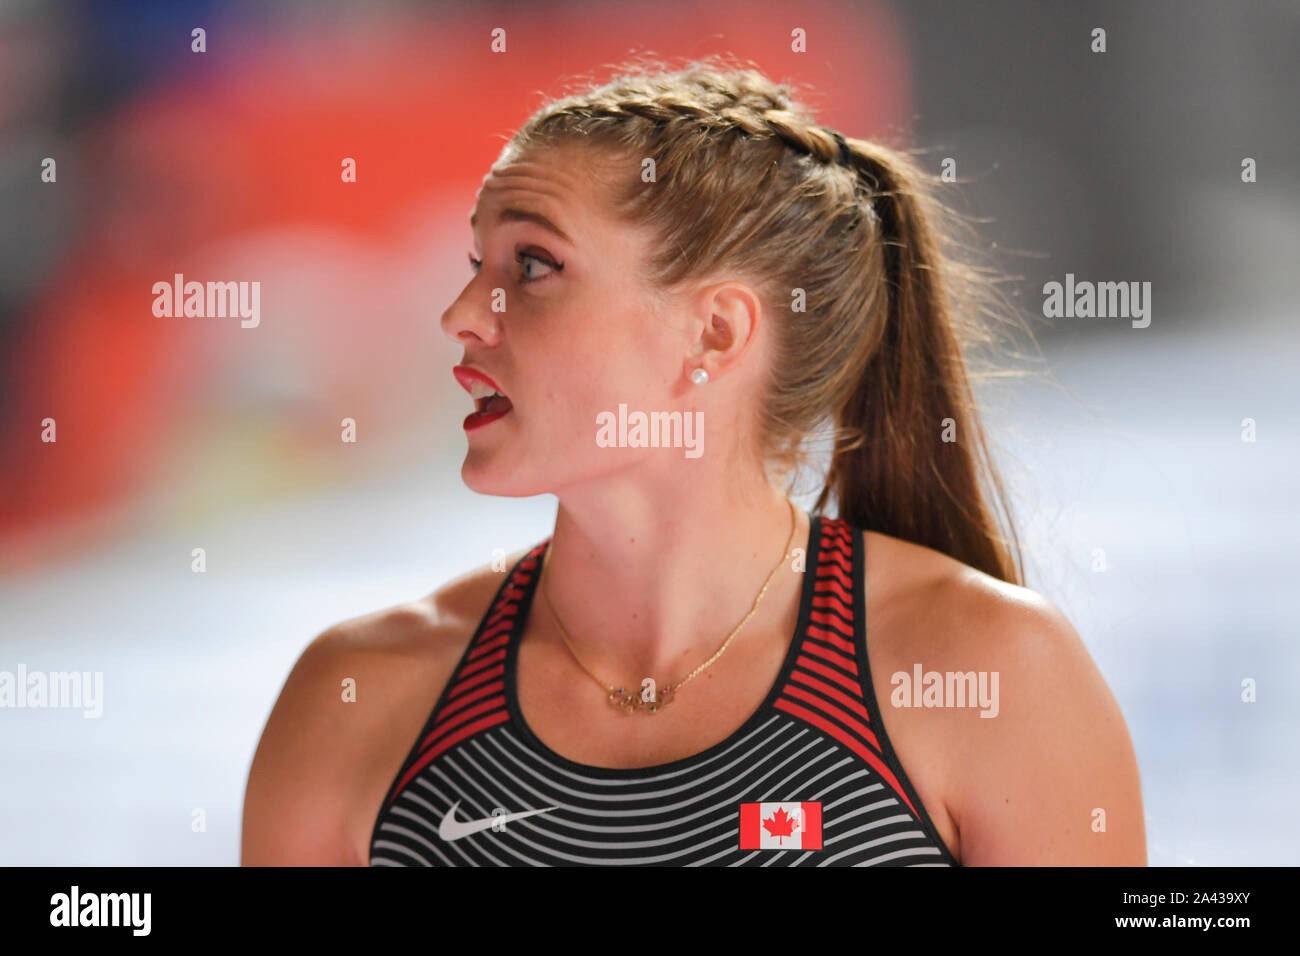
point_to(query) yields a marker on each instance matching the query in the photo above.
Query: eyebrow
(524, 215)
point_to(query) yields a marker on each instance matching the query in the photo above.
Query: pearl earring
(699, 376)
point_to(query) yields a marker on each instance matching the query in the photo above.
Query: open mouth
(487, 400)
(490, 402)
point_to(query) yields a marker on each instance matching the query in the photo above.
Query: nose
(470, 319)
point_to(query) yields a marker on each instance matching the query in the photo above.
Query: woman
(679, 278)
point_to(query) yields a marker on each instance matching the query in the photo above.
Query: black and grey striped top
(810, 779)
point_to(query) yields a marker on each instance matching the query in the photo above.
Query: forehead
(552, 187)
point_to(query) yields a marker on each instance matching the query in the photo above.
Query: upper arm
(1053, 778)
(295, 810)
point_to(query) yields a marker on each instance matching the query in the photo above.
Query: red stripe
(466, 731)
(827, 654)
(836, 603)
(509, 609)
(829, 584)
(830, 638)
(857, 746)
(827, 708)
(836, 526)
(500, 627)
(835, 546)
(824, 635)
(829, 691)
(831, 620)
(832, 555)
(477, 679)
(490, 643)
(443, 726)
(817, 668)
(498, 655)
(832, 571)
(492, 688)
(513, 591)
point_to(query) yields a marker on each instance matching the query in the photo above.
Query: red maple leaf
(781, 825)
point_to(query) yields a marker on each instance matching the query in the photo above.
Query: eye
(523, 258)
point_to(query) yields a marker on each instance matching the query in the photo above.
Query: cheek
(638, 356)
(578, 396)
(607, 354)
(634, 374)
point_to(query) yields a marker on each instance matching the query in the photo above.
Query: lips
(490, 400)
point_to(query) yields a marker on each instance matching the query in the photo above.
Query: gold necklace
(664, 696)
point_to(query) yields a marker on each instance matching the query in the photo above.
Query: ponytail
(911, 448)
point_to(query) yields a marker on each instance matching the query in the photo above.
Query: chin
(484, 477)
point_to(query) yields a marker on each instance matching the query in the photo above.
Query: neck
(647, 589)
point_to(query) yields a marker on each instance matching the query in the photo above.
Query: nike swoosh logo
(452, 829)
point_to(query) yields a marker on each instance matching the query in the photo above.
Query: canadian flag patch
(780, 826)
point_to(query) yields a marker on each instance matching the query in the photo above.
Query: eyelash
(520, 257)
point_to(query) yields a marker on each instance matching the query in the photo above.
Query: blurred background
(1168, 539)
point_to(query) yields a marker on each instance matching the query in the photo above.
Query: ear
(728, 315)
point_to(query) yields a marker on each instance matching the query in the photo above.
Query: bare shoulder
(424, 629)
(1041, 772)
(345, 719)
(958, 610)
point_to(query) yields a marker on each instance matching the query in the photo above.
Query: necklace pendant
(617, 699)
(634, 703)
(662, 699)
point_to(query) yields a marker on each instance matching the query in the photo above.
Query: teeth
(479, 390)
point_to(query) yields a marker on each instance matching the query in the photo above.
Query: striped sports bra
(810, 779)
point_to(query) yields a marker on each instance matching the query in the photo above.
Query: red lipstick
(491, 401)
